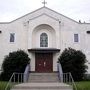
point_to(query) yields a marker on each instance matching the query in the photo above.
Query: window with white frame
(12, 37)
(76, 38)
(43, 40)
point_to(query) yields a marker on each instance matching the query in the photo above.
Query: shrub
(87, 77)
(14, 62)
(73, 61)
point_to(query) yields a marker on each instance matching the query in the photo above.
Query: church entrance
(44, 62)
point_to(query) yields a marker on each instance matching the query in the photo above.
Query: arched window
(43, 40)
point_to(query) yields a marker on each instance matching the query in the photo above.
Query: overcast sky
(75, 9)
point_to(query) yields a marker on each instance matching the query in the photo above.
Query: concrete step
(54, 73)
(42, 86)
(43, 77)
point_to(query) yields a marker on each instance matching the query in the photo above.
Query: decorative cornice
(44, 50)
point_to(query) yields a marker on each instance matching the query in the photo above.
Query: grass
(3, 85)
(83, 85)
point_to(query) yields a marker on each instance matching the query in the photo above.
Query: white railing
(18, 78)
(65, 77)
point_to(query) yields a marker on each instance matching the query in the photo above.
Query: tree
(14, 62)
(73, 61)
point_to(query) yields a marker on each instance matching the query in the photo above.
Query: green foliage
(14, 62)
(87, 77)
(73, 61)
(83, 85)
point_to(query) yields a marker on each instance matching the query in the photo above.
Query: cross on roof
(44, 3)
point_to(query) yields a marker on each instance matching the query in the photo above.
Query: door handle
(39, 64)
(44, 64)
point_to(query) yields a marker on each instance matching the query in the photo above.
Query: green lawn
(3, 85)
(83, 85)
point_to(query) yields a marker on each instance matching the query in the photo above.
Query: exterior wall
(60, 31)
(2, 46)
(36, 28)
(86, 43)
(32, 63)
(55, 59)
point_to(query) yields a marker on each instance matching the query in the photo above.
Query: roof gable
(44, 9)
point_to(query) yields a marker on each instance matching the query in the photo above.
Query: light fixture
(88, 32)
(0, 31)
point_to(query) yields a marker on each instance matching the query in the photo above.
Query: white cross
(44, 3)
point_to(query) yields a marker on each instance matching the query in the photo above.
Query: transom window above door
(43, 40)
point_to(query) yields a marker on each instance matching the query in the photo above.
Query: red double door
(44, 62)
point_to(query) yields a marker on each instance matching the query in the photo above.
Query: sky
(74, 9)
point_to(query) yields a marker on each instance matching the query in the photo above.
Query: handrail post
(73, 81)
(9, 81)
(23, 76)
(65, 77)
(26, 73)
(60, 72)
(14, 77)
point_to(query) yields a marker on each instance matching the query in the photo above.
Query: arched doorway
(43, 47)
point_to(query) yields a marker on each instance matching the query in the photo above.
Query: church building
(44, 34)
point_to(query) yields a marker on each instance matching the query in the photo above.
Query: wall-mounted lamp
(88, 32)
(0, 31)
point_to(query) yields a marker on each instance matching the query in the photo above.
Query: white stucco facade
(59, 29)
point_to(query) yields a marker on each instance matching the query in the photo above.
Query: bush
(87, 77)
(14, 62)
(73, 61)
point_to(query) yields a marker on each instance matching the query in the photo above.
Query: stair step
(43, 81)
(42, 86)
(43, 77)
(43, 73)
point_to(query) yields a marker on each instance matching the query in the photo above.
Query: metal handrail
(9, 81)
(60, 72)
(26, 73)
(65, 77)
(73, 81)
(16, 79)
(24, 77)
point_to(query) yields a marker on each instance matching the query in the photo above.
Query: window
(12, 37)
(76, 39)
(43, 40)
